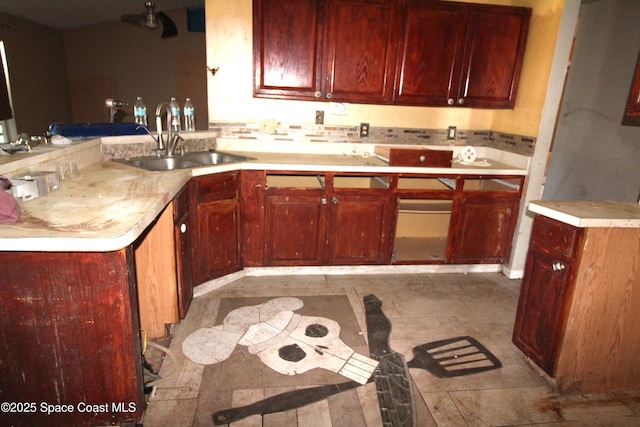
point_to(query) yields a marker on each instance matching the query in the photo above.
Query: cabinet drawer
(420, 157)
(555, 236)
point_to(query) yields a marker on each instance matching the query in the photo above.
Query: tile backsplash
(377, 135)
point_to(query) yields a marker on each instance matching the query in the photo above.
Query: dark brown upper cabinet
(430, 52)
(287, 46)
(338, 50)
(458, 54)
(403, 52)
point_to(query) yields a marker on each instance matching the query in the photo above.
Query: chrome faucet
(161, 143)
(172, 139)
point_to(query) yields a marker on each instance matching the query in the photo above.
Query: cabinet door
(430, 53)
(494, 50)
(219, 236)
(182, 236)
(361, 51)
(295, 230)
(541, 308)
(484, 230)
(287, 38)
(360, 229)
(71, 333)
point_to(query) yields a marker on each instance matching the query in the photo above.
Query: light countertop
(590, 213)
(110, 204)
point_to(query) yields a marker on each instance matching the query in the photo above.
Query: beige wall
(38, 75)
(65, 76)
(229, 46)
(524, 119)
(121, 60)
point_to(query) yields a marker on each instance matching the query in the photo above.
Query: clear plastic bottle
(140, 111)
(175, 115)
(189, 116)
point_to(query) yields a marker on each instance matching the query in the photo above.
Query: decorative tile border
(377, 135)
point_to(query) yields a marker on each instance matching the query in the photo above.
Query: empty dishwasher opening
(422, 229)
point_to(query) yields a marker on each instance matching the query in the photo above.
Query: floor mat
(245, 371)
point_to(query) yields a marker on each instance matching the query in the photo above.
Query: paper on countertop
(60, 140)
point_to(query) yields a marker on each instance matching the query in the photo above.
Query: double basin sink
(185, 161)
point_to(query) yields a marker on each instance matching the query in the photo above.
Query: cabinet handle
(460, 101)
(329, 95)
(318, 94)
(558, 266)
(450, 101)
(183, 228)
(334, 200)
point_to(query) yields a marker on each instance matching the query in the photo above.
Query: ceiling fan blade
(133, 19)
(169, 28)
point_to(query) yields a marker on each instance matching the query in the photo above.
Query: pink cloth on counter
(9, 211)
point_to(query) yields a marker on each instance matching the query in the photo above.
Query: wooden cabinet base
(577, 316)
(70, 336)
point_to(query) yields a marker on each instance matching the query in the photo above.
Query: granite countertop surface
(109, 205)
(590, 213)
(105, 208)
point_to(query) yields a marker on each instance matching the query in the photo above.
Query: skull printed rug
(285, 341)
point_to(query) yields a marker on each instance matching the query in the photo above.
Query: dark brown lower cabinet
(577, 315)
(295, 233)
(331, 218)
(316, 230)
(360, 228)
(542, 308)
(215, 218)
(70, 339)
(484, 230)
(310, 222)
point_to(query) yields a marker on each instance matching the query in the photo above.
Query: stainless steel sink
(188, 160)
(160, 163)
(215, 157)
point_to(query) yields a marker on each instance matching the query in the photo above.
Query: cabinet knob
(334, 200)
(329, 95)
(558, 266)
(323, 200)
(183, 228)
(450, 101)
(422, 158)
(318, 94)
(460, 101)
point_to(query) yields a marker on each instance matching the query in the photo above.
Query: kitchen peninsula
(577, 316)
(78, 269)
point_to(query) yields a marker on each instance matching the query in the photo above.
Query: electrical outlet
(451, 133)
(364, 130)
(319, 117)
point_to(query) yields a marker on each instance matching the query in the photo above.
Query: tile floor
(422, 308)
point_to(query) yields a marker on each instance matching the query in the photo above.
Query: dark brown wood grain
(546, 292)
(70, 335)
(215, 219)
(402, 52)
